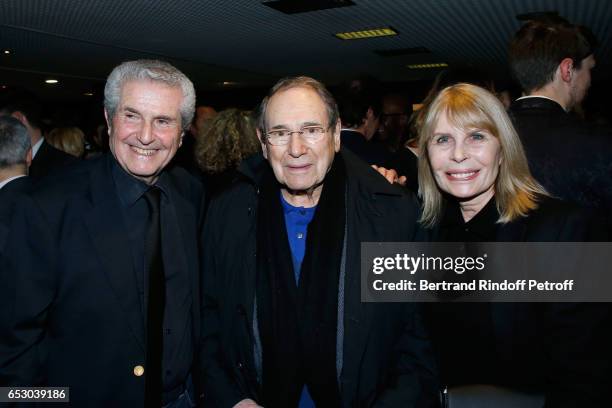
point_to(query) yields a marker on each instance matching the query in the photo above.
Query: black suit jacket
(387, 360)
(571, 158)
(560, 349)
(368, 151)
(48, 159)
(72, 313)
(8, 195)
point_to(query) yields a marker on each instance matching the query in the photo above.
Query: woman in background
(476, 187)
(229, 138)
(68, 139)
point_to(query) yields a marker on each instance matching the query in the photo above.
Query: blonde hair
(226, 139)
(67, 139)
(469, 106)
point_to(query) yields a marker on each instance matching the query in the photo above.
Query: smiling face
(146, 131)
(465, 162)
(300, 166)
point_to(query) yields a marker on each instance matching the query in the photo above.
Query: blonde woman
(476, 186)
(68, 139)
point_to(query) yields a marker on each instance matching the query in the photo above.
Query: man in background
(25, 108)
(552, 61)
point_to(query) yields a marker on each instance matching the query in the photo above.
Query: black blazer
(72, 311)
(571, 158)
(560, 349)
(8, 195)
(368, 151)
(48, 159)
(387, 359)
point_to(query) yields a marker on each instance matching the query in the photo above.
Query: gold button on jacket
(138, 370)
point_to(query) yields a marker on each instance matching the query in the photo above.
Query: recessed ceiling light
(228, 83)
(359, 35)
(428, 66)
(88, 94)
(51, 81)
(7, 52)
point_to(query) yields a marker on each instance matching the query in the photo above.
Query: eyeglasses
(281, 137)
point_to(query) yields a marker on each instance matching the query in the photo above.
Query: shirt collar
(36, 147)
(8, 180)
(288, 208)
(539, 96)
(483, 224)
(129, 188)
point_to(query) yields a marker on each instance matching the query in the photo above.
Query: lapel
(110, 239)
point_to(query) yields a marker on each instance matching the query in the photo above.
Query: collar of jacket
(537, 103)
(359, 174)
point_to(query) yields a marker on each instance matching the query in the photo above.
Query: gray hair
(14, 142)
(152, 70)
(299, 82)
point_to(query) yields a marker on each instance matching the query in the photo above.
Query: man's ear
(108, 122)
(337, 139)
(29, 158)
(21, 118)
(264, 147)
(566, 68)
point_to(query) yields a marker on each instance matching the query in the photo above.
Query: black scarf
(298, 324)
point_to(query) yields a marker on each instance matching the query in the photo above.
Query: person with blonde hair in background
(70, 140)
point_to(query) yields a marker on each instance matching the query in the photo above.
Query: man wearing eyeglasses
(282, 305)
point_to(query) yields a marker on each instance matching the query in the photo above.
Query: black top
(542, 347)
(481, 228)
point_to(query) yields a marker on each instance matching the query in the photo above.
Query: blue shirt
(296, 223)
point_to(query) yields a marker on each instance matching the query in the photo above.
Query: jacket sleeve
(27, 290)
(218, 387)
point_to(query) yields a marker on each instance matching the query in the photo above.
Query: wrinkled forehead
(295, 106)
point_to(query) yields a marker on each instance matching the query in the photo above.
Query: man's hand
(391, 175)
(247, 403)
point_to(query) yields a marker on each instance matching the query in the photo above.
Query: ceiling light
(228, 83)
(375, 32)
(7, 52)
(88, 94)
(428, 66)
(51, 81)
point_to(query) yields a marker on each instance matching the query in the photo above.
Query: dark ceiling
(246, 44)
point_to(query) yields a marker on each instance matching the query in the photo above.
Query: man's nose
(145, 136)
(297, 146)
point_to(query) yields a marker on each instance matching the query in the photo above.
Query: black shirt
(178, 341)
